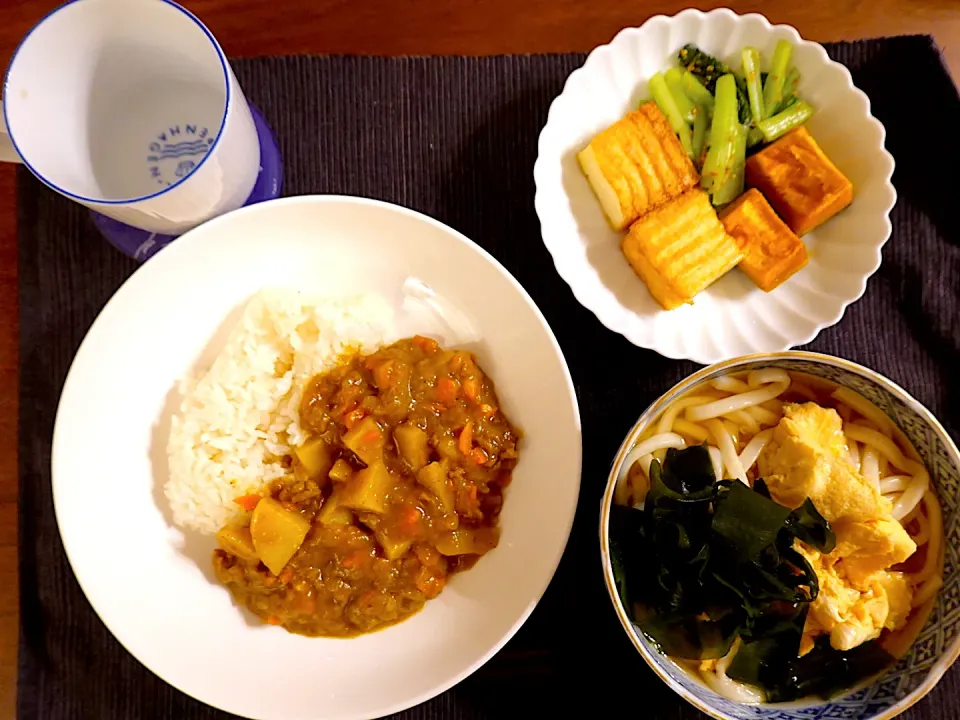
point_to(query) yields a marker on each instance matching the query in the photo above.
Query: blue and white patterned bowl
(937, 645)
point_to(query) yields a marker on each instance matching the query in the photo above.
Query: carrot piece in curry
(446, 391)
(354, 560)
(354, 416)
(479, 456)
(409, 522)
(465, 442)
(428, 345)
(248, 502)
(471, 388)
(383, 374)
(430, 584)
(467, 503)
(305, 605)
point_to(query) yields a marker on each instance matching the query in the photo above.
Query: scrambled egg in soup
(859, 595)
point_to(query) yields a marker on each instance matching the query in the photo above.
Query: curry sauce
(398, 485)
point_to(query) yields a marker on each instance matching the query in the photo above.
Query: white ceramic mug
(130, 108)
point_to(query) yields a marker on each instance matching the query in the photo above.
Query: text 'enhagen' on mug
(131, 108)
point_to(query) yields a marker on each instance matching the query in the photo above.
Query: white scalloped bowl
(732, 317)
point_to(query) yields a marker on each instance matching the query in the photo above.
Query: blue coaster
(142, 244)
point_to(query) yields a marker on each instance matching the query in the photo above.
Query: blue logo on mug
(175, 152)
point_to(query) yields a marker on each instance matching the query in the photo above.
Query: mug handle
(7, 153)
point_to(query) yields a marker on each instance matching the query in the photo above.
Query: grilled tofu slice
(636, 165)
(798, 179)
(680, 248)
(771, 251)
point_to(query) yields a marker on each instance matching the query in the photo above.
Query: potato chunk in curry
(369, 490)
(398, 485)
(277, 533)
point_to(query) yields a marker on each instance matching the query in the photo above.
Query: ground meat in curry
(398, 485)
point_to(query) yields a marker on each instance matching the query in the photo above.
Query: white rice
(239, 417)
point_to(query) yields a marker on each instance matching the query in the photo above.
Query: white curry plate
(152, 584)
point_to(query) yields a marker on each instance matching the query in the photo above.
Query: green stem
(696, 91)
(699, 132)
(773, 88)
(782, 123)
(751, 71)
(733, 186)
(723, 134)
(674, 80)
(790, 86)
(668, 106)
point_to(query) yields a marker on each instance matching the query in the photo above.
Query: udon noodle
(735, 415)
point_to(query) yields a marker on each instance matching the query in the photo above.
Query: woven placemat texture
(456, 138)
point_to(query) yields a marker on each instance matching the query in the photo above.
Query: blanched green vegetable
(705, 66)
(790, 86)
(710, 69)
(792, 83)
(782, 123)
(696, 91)
(733, 184)
(668, 106)
(773, 87)
(700, 121)
(751, 73)
(674, 79)
(723, 136)
(724, 112)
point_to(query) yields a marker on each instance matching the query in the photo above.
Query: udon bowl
(937, 645)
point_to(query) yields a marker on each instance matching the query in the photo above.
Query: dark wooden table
(248, 28)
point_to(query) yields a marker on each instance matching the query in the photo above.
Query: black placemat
(456, 138)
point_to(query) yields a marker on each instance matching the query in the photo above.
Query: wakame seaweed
(704, 563)
(823, 672)
(808, 525)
